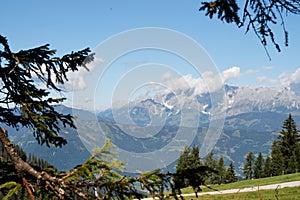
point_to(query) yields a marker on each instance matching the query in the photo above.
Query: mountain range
(231, 122)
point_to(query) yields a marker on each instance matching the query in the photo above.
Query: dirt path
(250, 189)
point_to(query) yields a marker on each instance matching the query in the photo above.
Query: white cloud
(166, 76)
(88, 100)
(273, 81)
(233, 72)
(208, 82)
(252, 71)
(77, 79)
(255, 71)
(288, 79)
(261, 79)
(134, 63)
(295, 77)
(291, 81)
(284, 79)
(184, 83)
(264, 79)
(268, 67)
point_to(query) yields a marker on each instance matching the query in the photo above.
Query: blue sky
(73, 25)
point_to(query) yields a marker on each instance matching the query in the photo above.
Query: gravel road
(250, 189)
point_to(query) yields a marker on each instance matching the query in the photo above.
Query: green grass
(248, 183)
(281, 194)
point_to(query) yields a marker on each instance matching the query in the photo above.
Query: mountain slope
(253, 119)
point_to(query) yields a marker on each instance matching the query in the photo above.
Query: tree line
(193, 172)
(283, 159)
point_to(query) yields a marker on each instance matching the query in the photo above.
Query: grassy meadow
(280, 194)
(248, 183)
(277, 194)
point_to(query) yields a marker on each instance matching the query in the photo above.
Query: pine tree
(249, 166)
(285, 151)
(277, 158)
(195, 157)
(182, 165)
(212, 164)
(189, 170)
(230, 176)
(221, 171)
(292, 164)
(197, 170)
(297, 153)
(267, 171)
(258, 166)
(289, 139)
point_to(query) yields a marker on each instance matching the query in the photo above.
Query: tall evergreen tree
(267, 170)
(212, 163)
(285, 151)
(292, 164)
(221, 170)
(258, 166)
(195, 157)
(198, 170)
(277, 158)
(230, 176)
(189, 170)
(182, 165)
(289, 138)
(249, 166)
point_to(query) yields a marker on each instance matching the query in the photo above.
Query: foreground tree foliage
(22, 102)
(8, 172)
(26, 79)
(260, 16)
(97, 178)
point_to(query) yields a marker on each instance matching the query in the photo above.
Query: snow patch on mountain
(232, 100)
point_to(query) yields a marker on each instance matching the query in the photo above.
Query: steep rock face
(262, 99)
(231, 101)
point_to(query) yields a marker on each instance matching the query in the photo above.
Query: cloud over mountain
(208, 82)
(77, 79)
(291, 81)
